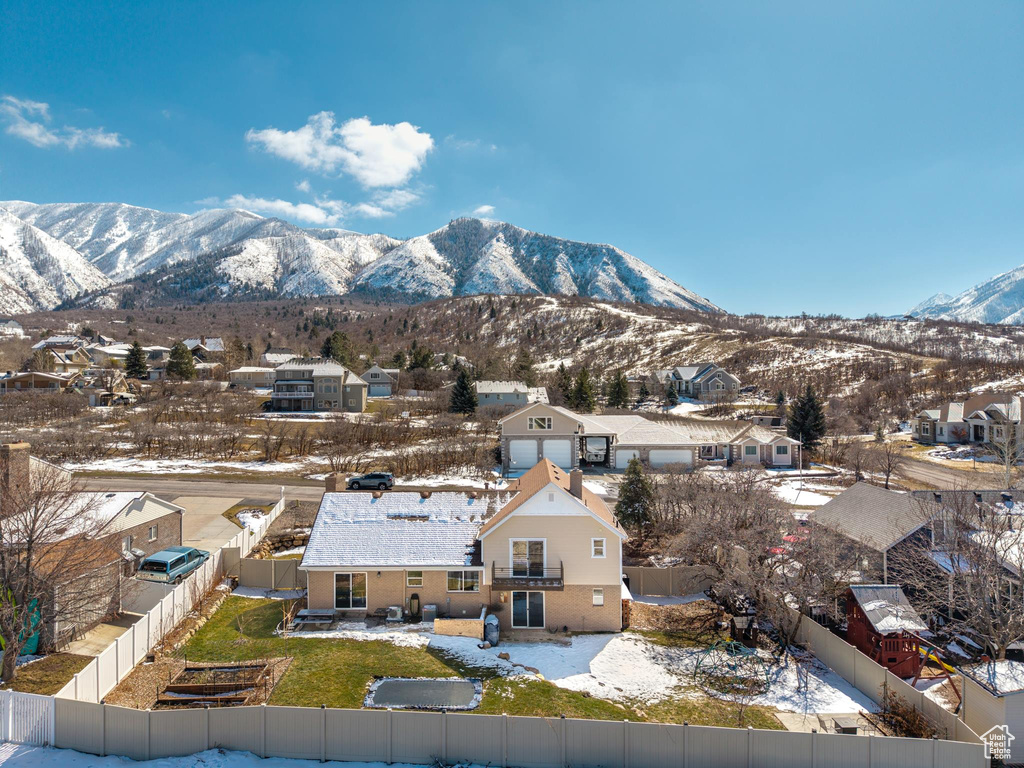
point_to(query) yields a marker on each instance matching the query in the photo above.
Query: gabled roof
(58, 341)
(872, 516)
(887, 609)
(536, 479)
(500, 387)
(398, 529)
(1000, 678)
(209, 343)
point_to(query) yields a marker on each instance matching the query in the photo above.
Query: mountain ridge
(998, 301)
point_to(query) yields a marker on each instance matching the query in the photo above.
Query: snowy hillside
(237, 253)
(38, 271)
(999, 300)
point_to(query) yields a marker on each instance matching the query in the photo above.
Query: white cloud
(304, 186)
(375, 155)
(371, 211)
(396, 199)
(467, 145)
(323, 213)
(483, 210)
(29, 120)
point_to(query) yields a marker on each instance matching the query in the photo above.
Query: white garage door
(380, 390)
(622, 458)
(522, 453)
(559, 452)
(675, 456)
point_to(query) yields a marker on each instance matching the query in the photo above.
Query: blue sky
(774, 157)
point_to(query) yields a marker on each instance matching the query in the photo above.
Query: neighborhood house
(317, 384)
(704, 381)
(382, 382)
(992, 419)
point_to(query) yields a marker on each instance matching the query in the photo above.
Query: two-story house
(703, 381)
(545, 553)
(252, 377)
(317, 384)
(381, 382)
(992, 419)
(513, 394)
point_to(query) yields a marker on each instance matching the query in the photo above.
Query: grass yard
(49, 674)
(337, 672)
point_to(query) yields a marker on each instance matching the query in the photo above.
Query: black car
(382, 481)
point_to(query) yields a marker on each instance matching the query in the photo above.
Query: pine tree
(463, 398)
(635, 506)
(338, 347)
(780, 403)
(135, 364)
(398, 360)
(618, 392)
(563, 383)
(180, 364)
(582, 398)
(807, 419)
(644, 392)
(523, 368)
(671, 396)
(422, 357)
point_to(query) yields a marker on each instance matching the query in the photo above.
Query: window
(538, 422)
(463, 581)
(750, 450)
(781, 450)
(926, 429)
(597, 547)
(349, 591)
(126, 543)
(527, 558)
(998, 431)
(707, 451)
(598, 596)
(152, 533)
(942, 431)
(414, 578)
(528, 610)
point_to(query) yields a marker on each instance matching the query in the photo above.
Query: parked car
(171, 565)
(382, 481)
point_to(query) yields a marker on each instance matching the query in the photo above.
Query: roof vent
(424, 494)
(471, 494)
(377, 494)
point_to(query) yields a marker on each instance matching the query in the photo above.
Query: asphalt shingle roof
(872, 516)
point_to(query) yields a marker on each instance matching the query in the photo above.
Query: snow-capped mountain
(237, 253)
(999, 300)
(39, 271)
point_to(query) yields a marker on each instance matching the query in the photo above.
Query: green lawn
(337, 672)
(49, 674)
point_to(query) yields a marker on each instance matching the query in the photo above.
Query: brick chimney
(576, 483)
(15, 468)
(335, 482)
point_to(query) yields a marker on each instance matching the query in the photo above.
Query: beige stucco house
(545, 553)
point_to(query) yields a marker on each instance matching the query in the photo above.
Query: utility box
(429, 613)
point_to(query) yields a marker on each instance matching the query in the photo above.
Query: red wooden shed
(883, 625)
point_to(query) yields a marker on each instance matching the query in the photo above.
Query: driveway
(204, 525)
(170, 487)
(99, 638)
(937, 476)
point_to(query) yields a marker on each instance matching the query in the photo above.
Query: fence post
(135, 653)
(75, 678)
(562, 740)
(625, 744)
(935, 751)
(117, 660)
(871, 750)
(391, 715)
(671, 572)
(99, 696)
(5, 715)
(642, 582)
(149, 734)
(750, 746)
(323, 733)
(53, 723)
(444, 736)
(504, 740)
(814, 747)
(263, 731)
(686, 744)
(103, 728)
(207, 724)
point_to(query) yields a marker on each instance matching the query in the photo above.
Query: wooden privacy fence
(169, 605)
(523, 742)
(677, 580)
(270, 574)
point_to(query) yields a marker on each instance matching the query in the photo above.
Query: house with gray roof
(568, 439)
(381, 382)
(702, 381)
(203, 346)
(499, 394)
(317, 384)
(990, 420)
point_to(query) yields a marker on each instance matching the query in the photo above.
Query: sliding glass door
(349, 591)
(528, 610)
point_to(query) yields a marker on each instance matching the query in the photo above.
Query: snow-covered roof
(398, 529)
(55, 341)
(501, 387)
(887, 608)
(252, 369)
(1000, 678)
(209, 343)
(313, 366)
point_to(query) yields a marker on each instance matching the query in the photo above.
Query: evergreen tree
(780, 403)
(563, 383)
(618, 392)
(635, 506)
(42, 360)
(671, 396)
(582, 398)
(338, 347)
(422, 357)
(135, 364)
(522, 368)
(807, 419)
(398, 360)
(180, 364)
(463, 398)
(644, 392)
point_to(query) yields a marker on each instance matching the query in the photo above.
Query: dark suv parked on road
(381, 481)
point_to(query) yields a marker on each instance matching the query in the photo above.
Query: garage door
(559, 452)
(622, 458)
(676, 456)
(522, 453)
(380, 390)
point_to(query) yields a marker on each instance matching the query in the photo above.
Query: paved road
(194, 487)
(938, 476)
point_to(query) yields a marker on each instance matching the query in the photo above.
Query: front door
(527, 558)
(527, 610)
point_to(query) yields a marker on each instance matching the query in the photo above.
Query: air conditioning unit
(395, 613)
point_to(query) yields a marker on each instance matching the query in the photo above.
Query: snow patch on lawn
(272, 594)
(193, 466)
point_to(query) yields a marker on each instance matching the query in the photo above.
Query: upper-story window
(597, 548)
(538, 422)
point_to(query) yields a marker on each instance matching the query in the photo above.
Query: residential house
(252, 377)
(61, 343)
(14, 381)
(703, 381)
(276, 356)
(11, 327)
(205, 347)
(381, 382)
(989, 419)
(317, 384)
(769, 421)
(883, 625)
(993, 701)
(567, 439)
(547, 550)
(70, 361)
(514, 394)
(103, 387)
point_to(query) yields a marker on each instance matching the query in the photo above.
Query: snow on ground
(292, 551)
(250, 518)
(686, 407)
(670, 600)
(21, 756)
(802, 494)
(193, 466)
(964, 453)
(618, 667)
(276, 594)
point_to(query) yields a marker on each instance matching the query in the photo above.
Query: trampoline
(453, 693)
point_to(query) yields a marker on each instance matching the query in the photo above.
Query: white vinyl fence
(26, 718)
(169, 606)
(523, 742)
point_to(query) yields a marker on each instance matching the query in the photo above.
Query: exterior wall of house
(354, 398)
(517, 399)
(168, 533)
(516, 427)
(250, 379)
(390, 588)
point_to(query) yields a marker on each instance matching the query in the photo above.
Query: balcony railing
(292, 395)
(527, 577)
